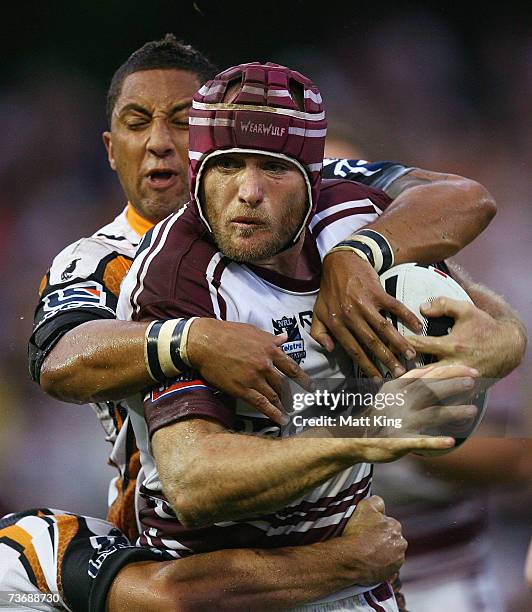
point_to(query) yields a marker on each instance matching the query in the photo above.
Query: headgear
(262, 118)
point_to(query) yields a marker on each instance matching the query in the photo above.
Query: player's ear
(108, 143)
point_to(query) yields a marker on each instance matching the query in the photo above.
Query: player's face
(254, 204)
(148, 142)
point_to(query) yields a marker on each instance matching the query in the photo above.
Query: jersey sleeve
(82, 284)
(187, 396)
(380, 174)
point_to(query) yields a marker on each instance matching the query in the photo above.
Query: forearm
(482, 461)
(210, 477)
(236, 579)
(275, 579)
(99, 360)
(433, 216)
(484, 298)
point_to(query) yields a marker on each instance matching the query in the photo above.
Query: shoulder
(110, 249)
(176, 246)
(344, 207)
(170, 270)
(84, 278)
(378, 174)
(83, 259)
(352, 194)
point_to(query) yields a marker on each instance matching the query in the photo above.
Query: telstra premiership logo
(262, 128)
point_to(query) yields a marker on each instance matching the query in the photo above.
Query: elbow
(49, 383)
(198, 493)
(193, 511)
(193, 499)
(482, 203)
(60, 381)
(193, 507)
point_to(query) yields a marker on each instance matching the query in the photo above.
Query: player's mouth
(161, 178)
(245, 221)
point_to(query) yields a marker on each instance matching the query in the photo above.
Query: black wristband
(384, 246)
(152, 352)
(358, 246)
(175, 344)
(163, 349)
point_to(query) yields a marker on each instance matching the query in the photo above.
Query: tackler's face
(148, 142)
(254, 204)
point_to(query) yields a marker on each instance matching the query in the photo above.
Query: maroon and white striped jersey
(179, 272)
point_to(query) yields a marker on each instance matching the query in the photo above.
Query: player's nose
(160, 141)
(250, 188)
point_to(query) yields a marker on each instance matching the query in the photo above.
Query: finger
(385, 330)
(397, 385)
(287, 366)
(425, 443)
(280, 339)
(355, 351)
(431, 392)
(440, 346)
(446, 306)
(419, 372)
(274, 379)
(451, 370)
(438, 416)
(378, 349)
(262, 402)
(319, 332)
(403, 313)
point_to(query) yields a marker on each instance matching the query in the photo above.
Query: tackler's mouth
(161, 178)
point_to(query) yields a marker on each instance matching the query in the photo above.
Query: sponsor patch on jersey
(68, 272)
(178, 385)
(88, 294)
(294, 347)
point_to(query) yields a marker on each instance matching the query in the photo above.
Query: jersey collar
(136, 221)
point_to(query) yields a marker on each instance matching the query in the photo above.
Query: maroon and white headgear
(262, 118)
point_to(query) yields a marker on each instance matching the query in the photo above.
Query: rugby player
(87, 357)
(248, 248)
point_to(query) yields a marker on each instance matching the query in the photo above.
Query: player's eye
(226, 162)
(180, 121)
(276, 166)
(181, 124)
(136, 123)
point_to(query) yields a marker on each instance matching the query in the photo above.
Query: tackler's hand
(245, 362)
(349, 308)
(476, 339)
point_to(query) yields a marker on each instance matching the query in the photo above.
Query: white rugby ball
(414, 284)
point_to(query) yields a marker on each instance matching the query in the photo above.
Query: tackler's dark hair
(165, 54)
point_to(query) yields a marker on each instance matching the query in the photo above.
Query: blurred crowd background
(429, 87)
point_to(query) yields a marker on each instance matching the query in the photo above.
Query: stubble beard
(156, 211)
(227, 239)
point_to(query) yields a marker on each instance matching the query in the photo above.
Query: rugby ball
(413, 285)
